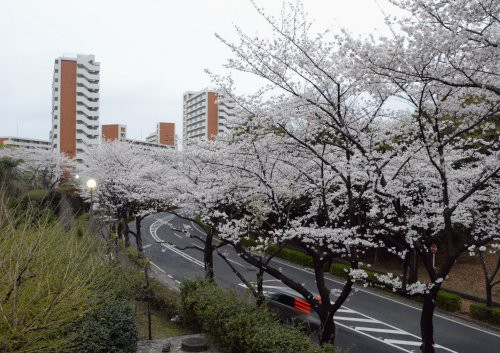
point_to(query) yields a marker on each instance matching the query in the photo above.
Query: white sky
(151, 51)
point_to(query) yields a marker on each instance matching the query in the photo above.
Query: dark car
(292, 308)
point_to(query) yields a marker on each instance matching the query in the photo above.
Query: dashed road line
(155, 265)
(357, 317)
(350, 318)
(381, 330)
(391, 299)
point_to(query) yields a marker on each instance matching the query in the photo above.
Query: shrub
(485, 313)
(41, 205)
(237, 325)
(340, 270)
(448, 301)
(108, 328)
(295, 256)
(62, 275)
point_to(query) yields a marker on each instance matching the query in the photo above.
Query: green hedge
(448, 301)
(444, 300)
(109, 328)
(485, 313)
(237, 326)
(295, 256)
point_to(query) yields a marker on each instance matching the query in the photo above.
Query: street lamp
(91, 184)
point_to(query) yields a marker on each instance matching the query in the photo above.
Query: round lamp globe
(91, 184)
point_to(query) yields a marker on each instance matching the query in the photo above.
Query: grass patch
(161, 325)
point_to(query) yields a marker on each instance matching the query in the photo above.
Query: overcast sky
(151, 51)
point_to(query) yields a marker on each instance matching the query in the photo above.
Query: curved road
(370, 321)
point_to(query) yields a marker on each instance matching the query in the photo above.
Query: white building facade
(205, 114)
(75, 105)
(25, 142)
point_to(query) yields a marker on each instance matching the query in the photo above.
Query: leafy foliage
(485, 313)
(237, 325)
(49, 278)
(109, 327)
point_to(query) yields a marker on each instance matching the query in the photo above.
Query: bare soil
(466, 275)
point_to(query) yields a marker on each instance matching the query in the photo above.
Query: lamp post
(91, 184)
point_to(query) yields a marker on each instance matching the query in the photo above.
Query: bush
(340, 270)
(108, 328)
(62, 277)
(41, 204)
(485, 313)
(295, 256)
(237, 326)
(448, 301)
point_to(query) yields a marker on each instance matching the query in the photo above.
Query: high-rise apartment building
(75, 105)
(164, 134)
(205, 114)
(112, 132)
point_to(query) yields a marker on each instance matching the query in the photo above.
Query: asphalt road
(369, 322)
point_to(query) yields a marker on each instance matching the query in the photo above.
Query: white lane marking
(154, 228)
(381, 330)
(179, 282)
(344, 320)
(195, 226)
(146, 246)
(235, 262)
(345, 311)
(155, 265)
(372, 337)
(170, 276)
(404, 343)
(390, 299)
(355, 319)
(177, 235)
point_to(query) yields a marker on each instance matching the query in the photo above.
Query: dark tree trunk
(489, 279)
(148, 302)
(124, 232)
(426, 322)
(489, 298)
(327, 330)
(413, 266)
(260, 290)
(404, 279)
(138, 235)
(208, 256)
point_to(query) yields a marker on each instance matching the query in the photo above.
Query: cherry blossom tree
(127, 177)
(439, 182)
(332, 94)
(39, 167)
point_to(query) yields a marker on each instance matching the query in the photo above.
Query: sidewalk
(156, 346)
